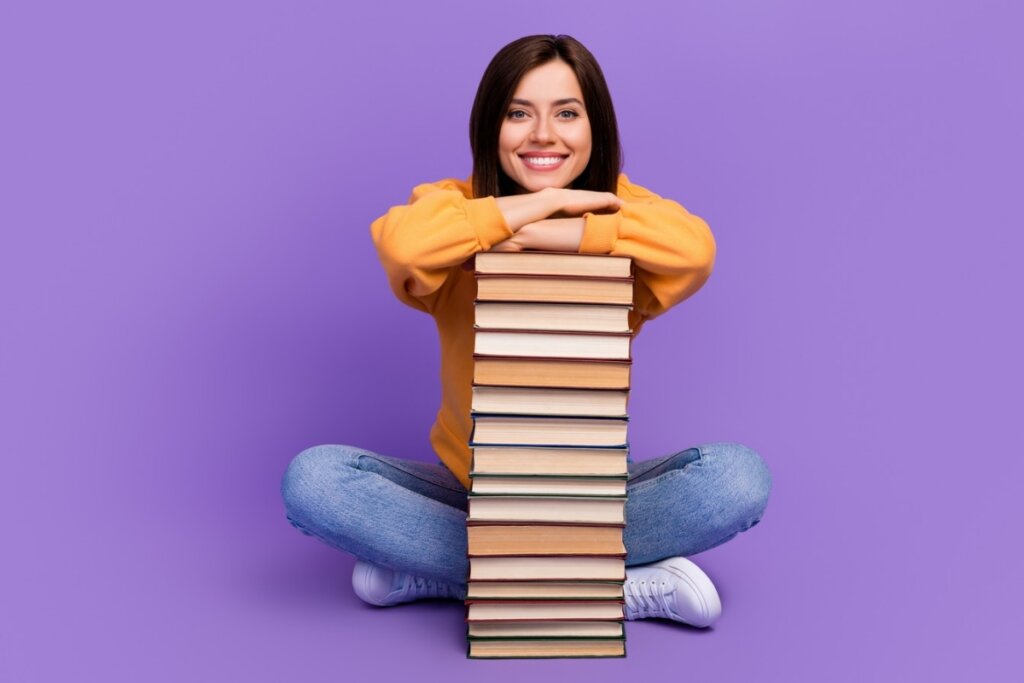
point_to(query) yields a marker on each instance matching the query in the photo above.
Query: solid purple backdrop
(191, 297)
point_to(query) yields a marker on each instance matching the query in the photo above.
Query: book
(546, 344)
(554, 289)
(549, 401)
(548, 610)
(528, 648)
(545, 590)
(484, 485)
(551, 461)
(532, 430)
(547, 510)
(551, 372)
(545, 316)
(547, 569)
(483, 630)
(538, 540)
(553, 263)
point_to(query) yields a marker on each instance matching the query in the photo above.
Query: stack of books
(548, 495)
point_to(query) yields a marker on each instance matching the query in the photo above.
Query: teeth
(543, 161)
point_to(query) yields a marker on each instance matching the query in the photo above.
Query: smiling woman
(546, 176)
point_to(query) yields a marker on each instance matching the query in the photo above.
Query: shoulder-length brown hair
(494, 95)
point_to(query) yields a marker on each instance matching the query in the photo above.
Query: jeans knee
(744, 476)
(307, 479)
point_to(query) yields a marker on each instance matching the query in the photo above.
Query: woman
(546, 163)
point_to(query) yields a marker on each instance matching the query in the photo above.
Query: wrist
(552, 200)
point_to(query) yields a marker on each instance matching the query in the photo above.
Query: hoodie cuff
(488, 221)
(600, 230)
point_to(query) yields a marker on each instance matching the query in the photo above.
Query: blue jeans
(411, 516)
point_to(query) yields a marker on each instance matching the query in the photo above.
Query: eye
(516, 114)
(571, 114)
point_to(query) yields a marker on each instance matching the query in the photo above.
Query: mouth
(543, 162)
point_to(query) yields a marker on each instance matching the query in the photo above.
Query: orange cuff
(600, 232)
(488, 221)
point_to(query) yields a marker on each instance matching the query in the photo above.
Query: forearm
(550, 234)
(672, 249)
(522, 209)
(420, 242)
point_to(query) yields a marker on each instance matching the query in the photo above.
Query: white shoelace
(645, 599)
(414, 587)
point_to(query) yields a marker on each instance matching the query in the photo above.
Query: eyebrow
(556, 103)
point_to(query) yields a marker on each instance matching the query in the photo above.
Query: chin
(537, 184)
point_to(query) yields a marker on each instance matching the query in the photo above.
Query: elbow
(705, 260)
(391, 248)
(694, 249)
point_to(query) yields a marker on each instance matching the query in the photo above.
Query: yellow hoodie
(423, 244)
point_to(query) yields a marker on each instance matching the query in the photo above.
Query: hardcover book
(547, 569)
(549, 461)
(553, 263)
(546, 610)
(530, 648)
(565, 317)
(483, 630)
(531, 430)
(547, 510)
(545, 590)
(549, 401)
(551, 372)
(504, 485)
(540, 540)
(547, 344)
(554, 289)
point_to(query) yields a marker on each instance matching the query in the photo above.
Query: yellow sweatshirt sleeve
(673, 250)
(441, 227)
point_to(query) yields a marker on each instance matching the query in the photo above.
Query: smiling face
(545, 135)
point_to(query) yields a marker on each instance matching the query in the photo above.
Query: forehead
(554, 80)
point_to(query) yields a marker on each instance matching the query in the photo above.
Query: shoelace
(417, 587)
(646, 599)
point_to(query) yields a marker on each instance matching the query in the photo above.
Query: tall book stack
(548, 494)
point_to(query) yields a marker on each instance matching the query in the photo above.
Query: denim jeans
(411, 516)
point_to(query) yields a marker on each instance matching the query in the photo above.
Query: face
(545, 136)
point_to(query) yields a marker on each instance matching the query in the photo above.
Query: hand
(553, 234)
(579, 202)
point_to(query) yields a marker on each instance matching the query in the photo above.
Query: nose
(542, 131)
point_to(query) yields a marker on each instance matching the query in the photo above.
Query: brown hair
(495, 93)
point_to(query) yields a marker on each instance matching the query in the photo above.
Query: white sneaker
(674, 588)
(384, 587)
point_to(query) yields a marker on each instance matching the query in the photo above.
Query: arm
(673, 250)
(420, 242)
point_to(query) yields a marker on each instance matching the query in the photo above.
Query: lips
(543, 162)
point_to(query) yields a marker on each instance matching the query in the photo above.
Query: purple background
(190, 297)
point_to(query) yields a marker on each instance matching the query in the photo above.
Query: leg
(693, 500)
(402, 514)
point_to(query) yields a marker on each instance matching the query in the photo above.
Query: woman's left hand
(552, 234)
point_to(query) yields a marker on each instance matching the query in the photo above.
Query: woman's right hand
(521, 209)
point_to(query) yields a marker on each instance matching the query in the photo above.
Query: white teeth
(543, 161)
